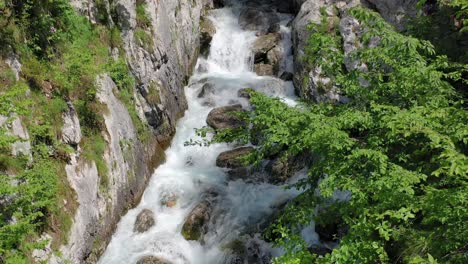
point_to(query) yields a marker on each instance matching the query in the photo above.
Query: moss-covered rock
(195, 225)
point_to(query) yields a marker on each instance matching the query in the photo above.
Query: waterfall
(190, 171)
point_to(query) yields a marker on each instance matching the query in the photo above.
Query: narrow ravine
(190, 173)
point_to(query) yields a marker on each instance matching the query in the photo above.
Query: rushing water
(190, 170)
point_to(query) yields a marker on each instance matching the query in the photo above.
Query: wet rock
(152, 260)
(195, 225)
(247, 250)
(202, 67)
(218, 3)
(283, 6)
(274, 58)
(71, 131)
(319, 250)
(257, 19)
(244, 93)
(282, 168)
(263, 44)
(206, 89)
(232, 158)
(225, 117)
(144, 221)
(287, 76)
(263, 69)
(207, 31)
(169, 200)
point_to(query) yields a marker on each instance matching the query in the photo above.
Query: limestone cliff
(161, 55)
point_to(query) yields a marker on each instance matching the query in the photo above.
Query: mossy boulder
(196, 224)
(233, 158)
(225, 117)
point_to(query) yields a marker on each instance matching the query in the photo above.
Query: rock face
(224, 117)
(71, 130)
(309, 80)
(152, 260)
(207, 31)
(395, 12)
(161, 70)
(144, 221)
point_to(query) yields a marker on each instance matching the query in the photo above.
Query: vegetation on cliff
(61, 53)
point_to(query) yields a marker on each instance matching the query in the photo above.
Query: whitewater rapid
(189, 171)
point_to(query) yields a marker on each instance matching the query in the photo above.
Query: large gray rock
(396, 12)
(144, 221)
(152, 260)
(262, 69)
(232, 158)
(264, 44)
(261, 20)
(71, 130)
(309, 80)
(225, 117)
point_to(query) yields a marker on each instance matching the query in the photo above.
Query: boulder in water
(225, 117)
(169, 200)
(144, 221)
(263, 44)
(260, 20)
(152, 260)
(206, 89)
(232, 158)
(195, 225)
(262, 69)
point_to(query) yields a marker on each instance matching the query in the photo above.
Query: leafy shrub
(142, 17)
(398, 148)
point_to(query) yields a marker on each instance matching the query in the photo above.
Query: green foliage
(447, 20)
(142, 18)
(62, 53)
(42, 23)
(144, 39)
(399, 148)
